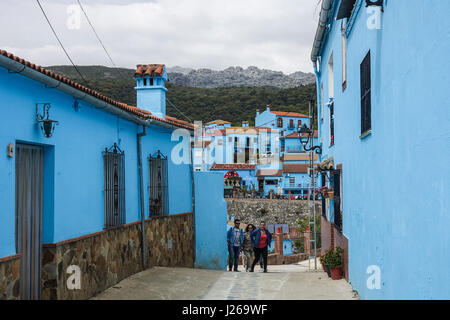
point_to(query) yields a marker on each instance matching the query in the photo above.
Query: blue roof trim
(351, 21)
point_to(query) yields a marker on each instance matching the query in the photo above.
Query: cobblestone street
(285, 282)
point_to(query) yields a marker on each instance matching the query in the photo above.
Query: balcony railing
(293, 185)
(294, 150)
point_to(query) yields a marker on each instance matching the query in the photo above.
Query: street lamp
(305, 134)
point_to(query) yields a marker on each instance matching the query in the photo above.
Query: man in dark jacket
(235, 239)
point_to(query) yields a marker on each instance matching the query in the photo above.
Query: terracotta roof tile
(295, 167)
(269, 173)
(233, 166)
(289, 114)
(299, 157)
(131, 109)
(149, 70)
(295, 135)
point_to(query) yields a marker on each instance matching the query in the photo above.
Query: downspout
(141, 195)
(193, 203)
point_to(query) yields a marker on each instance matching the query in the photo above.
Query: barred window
(366, 121)
(158, 185)
(114, 192)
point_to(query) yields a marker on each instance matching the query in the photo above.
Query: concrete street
(285, 282)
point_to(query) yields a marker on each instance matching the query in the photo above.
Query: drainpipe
(141, 195)
(320, 32)
(193, 202)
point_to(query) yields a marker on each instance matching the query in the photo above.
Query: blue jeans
(233, 256)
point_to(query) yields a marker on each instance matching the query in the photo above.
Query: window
(299, 123)
(292, 180)
(151, 81)
(255, 140)
(230, 139)
(219, 142)
(282, 133)
(332, 123)
(321, 102)
(366, 124)
(291, 123)
(280, 123)
(272, 182)
(247, 142)
(344, 55)
(158, 185)
(114, 186)
(337, 199)
(145, 82)
(330, 78)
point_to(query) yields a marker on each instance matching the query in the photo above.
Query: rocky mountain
(237, 76)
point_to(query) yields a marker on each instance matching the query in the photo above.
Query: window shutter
(366, 124)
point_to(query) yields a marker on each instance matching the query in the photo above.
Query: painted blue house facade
(380, 71)
(75, 170)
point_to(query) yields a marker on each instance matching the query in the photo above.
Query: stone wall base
(104, 258)
(10, 277)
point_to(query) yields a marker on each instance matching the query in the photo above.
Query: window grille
(158, 185)
(114, 192)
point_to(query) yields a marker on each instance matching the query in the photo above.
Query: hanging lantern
(46, 124)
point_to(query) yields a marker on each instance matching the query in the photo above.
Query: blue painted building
(85, 177)
(384, 124)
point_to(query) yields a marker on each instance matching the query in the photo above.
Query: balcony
(298, 149)
(288, 185)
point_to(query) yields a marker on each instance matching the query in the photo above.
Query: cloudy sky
(216, 34)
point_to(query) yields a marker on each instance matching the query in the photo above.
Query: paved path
(285, 282)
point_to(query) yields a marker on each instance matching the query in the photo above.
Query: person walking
(235, 239)
(248, 247)
(261, 240)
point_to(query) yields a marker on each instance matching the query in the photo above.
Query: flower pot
(327, 268)
(336, 273)
(330, 194)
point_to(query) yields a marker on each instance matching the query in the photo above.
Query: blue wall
(396, 180)
(210, 219)
(73, 186)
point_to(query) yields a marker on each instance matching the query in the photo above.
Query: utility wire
(173, 105)
(96, 34)
(112, 61)
(60, 43)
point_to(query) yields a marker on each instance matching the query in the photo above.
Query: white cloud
(214, 34)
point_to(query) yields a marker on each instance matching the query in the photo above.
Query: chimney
(150, 90)
(257, 112)
(268, 108)
(244, 124)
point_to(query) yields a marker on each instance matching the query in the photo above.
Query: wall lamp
(305, 134)
(47, 125)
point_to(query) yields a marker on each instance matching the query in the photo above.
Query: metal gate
(114, 171)
(158, 185)
(29, 204)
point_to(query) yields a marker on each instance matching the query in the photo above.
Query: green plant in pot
(334, 262)
(324, 260)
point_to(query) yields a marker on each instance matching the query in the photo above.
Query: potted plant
(322, 261)
(334, 262)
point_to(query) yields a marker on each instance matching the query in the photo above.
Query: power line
(60, 43)
(112, 61)
(96, 34)
(173, 105)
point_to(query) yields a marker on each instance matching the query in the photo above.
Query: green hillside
(233, 104)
